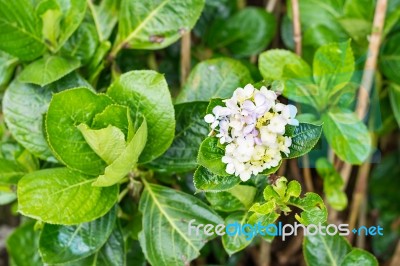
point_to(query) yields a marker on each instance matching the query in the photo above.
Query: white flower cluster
(252, 124)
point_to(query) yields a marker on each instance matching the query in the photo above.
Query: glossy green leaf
(146, 94)
(325, 249)
(155, 24)
(333, 184)
(63, 196)
(20, 33)
(166, 216)
(347, 135)
(127, 160)
(105, 17)
(48, 69)
(22, 246)
(205, 180)
(117, 116)
(107, 142)
(210, 156)
(359, 257)
(82, 44)
(248, 32)
(333, 67)
(61, 244)
(214, 78)
(389, 59)
(10, 172)
(65, 139)
(190, 131)
(239, 241)
(304, 138)
(394, 95)
(239, 197)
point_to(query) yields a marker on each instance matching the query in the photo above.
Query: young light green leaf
(359, 257)
(394, 95)
(246, 33)
(63, 196)
(205, 180)
(107, 142)
(105, 17)
(7, 66)
(304, 138)
(313, 209)
(146, 93)
(58, 243)
(127, 160)
(166, 215)
(333, 67)
(22, 246)
(239, 240)
(7, 195)
(210, 156)
(65, 139)
(50, 14)
(214, 78)
(190, 131)
(333, 184)
(321, 249)
(118, 116)
(347, 135)
(20, 35)
(155, 24)
(48, 69)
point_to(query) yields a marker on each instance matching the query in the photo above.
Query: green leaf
(61, 244)
(24, 106)
(48, 69)
(246, 33)
(325, 249)
(240, 240)
(117, 116)
(166, 215)
(272, 62)
(22, 246)
(205, 180)
(394, 96)
(304, 138)
(294, 72)
(126, 160)
(82, 44)
(63, 196)
(67, 110)
(50, 14)
(333, 67)
(10, 172)
(389, 59)
(146, 93)
(105, 17)
(190, 131)
(237, 198)
(313, 209)
(333, 184)
(20, 33)
(214, 78)
(210, 156)
(73, 13)
(347, 135)
(359, 257)
(7, 195)
(155, 24)
(107, 142)
(111, 253)
(7, 67)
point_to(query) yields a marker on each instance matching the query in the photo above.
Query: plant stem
(265, 253)
(307, 173)
(396, 256)
(185, 56)
(296, 26)
(271, 5)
